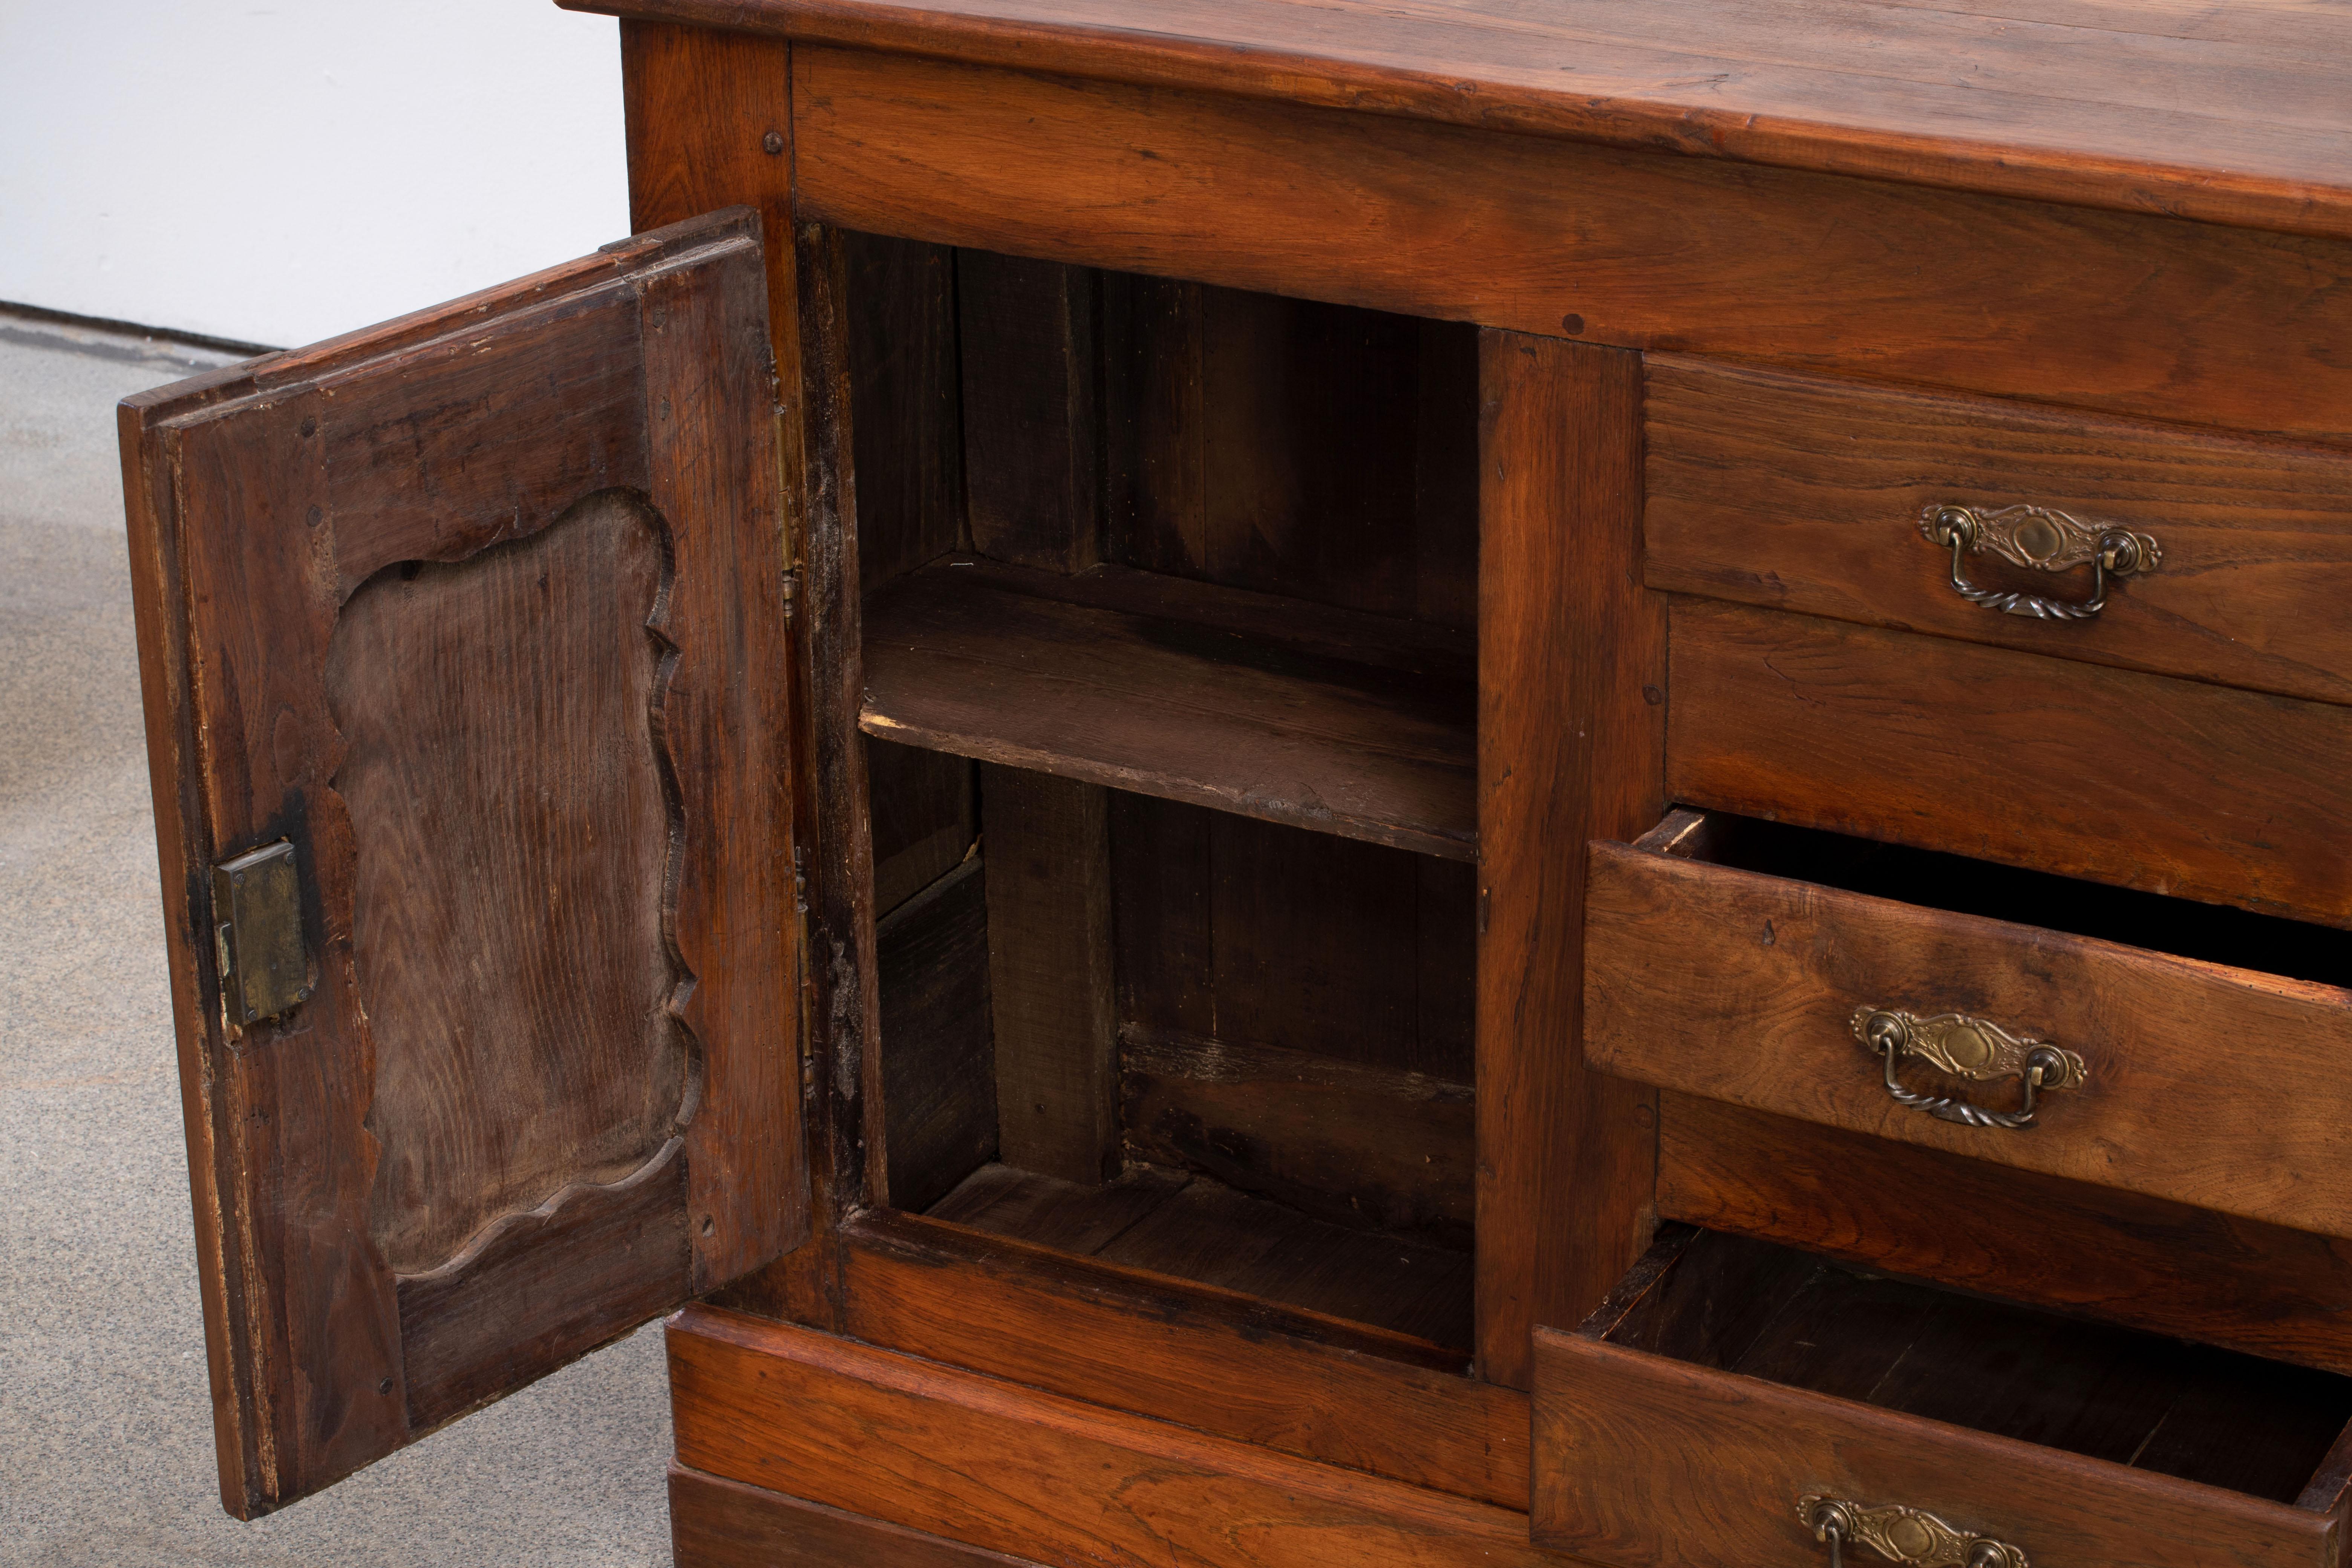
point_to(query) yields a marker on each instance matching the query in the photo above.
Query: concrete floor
(105, 1454)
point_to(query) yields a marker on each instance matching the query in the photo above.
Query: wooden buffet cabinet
(1277, 784)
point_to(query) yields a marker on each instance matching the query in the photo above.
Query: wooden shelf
(1346, 723)
(1192, 1228)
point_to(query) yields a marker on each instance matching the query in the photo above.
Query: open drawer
(1738, 1401)
(2171, 1048)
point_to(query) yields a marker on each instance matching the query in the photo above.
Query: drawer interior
(2162, 1405)
(1930, 879)
(1169, 603)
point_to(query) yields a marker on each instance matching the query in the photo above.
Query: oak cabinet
(1147, 746)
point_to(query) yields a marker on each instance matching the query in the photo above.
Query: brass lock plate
(258, 931)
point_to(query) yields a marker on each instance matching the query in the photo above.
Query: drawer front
(2208, 1086)
(2122, 1258)
(1642, 1461)
(1804, 494)
(2141, 781)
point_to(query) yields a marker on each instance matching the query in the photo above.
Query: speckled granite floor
(105, 1424)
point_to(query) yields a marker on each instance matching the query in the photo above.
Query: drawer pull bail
(1974, 1048)
(1907, 1535)
(2042, 539)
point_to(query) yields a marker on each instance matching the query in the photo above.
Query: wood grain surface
(1742, 987)
(1263, 936)
(906, 404)
(2227, 114)
(918, 1444)
(708, 122)
(1342, 973)
(715, 474)
(502, 459)
(939, 1058)
(1049, 969)
(1803, 493)
(839, 874)
(1252, 1370)
(2213, 1416)
(1210, 1232)
(496, 715)
(1027, 343)
(1174, 1227)
(2188, 1272)
(1570, 747)
(1643, 1459)
(1238, 700)
(247, 538)
(1365, 1146)
(541, 1288)
(2136, 780)
(1075, 1217)
(1294, 447)
(2128, 313)
(906, 419)
(924, 811)
(717, 1524)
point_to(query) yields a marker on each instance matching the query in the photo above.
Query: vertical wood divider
(1047, 841)
(1572, 747)
(1028, 333)
(709, 125)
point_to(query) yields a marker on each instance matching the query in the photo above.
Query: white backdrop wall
(277, 171)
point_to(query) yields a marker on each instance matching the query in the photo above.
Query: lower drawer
(2183, 1051)
(1735, 1402)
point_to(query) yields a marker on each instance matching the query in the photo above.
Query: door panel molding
(262, 501)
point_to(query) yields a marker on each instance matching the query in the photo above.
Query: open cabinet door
(465, 656)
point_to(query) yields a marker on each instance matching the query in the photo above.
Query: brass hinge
(258, 935)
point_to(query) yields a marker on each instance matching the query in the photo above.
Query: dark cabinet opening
(1169, 639)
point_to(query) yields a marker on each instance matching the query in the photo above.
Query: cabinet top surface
(2236, 112)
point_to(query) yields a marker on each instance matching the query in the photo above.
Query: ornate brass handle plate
(1974, 1048)
(1907, 1535)
(2044, 540)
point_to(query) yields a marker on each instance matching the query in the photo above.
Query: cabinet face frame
(1563, 419)
(482, 612)
(1556, 1225)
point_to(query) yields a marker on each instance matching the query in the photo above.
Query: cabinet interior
(1169, 631)
(2164, 1405)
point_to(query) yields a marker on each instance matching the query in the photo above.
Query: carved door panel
(465, 659)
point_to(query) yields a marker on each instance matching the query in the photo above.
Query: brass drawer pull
(2045, 540)
(1907, 1535)
(1973, 1049)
